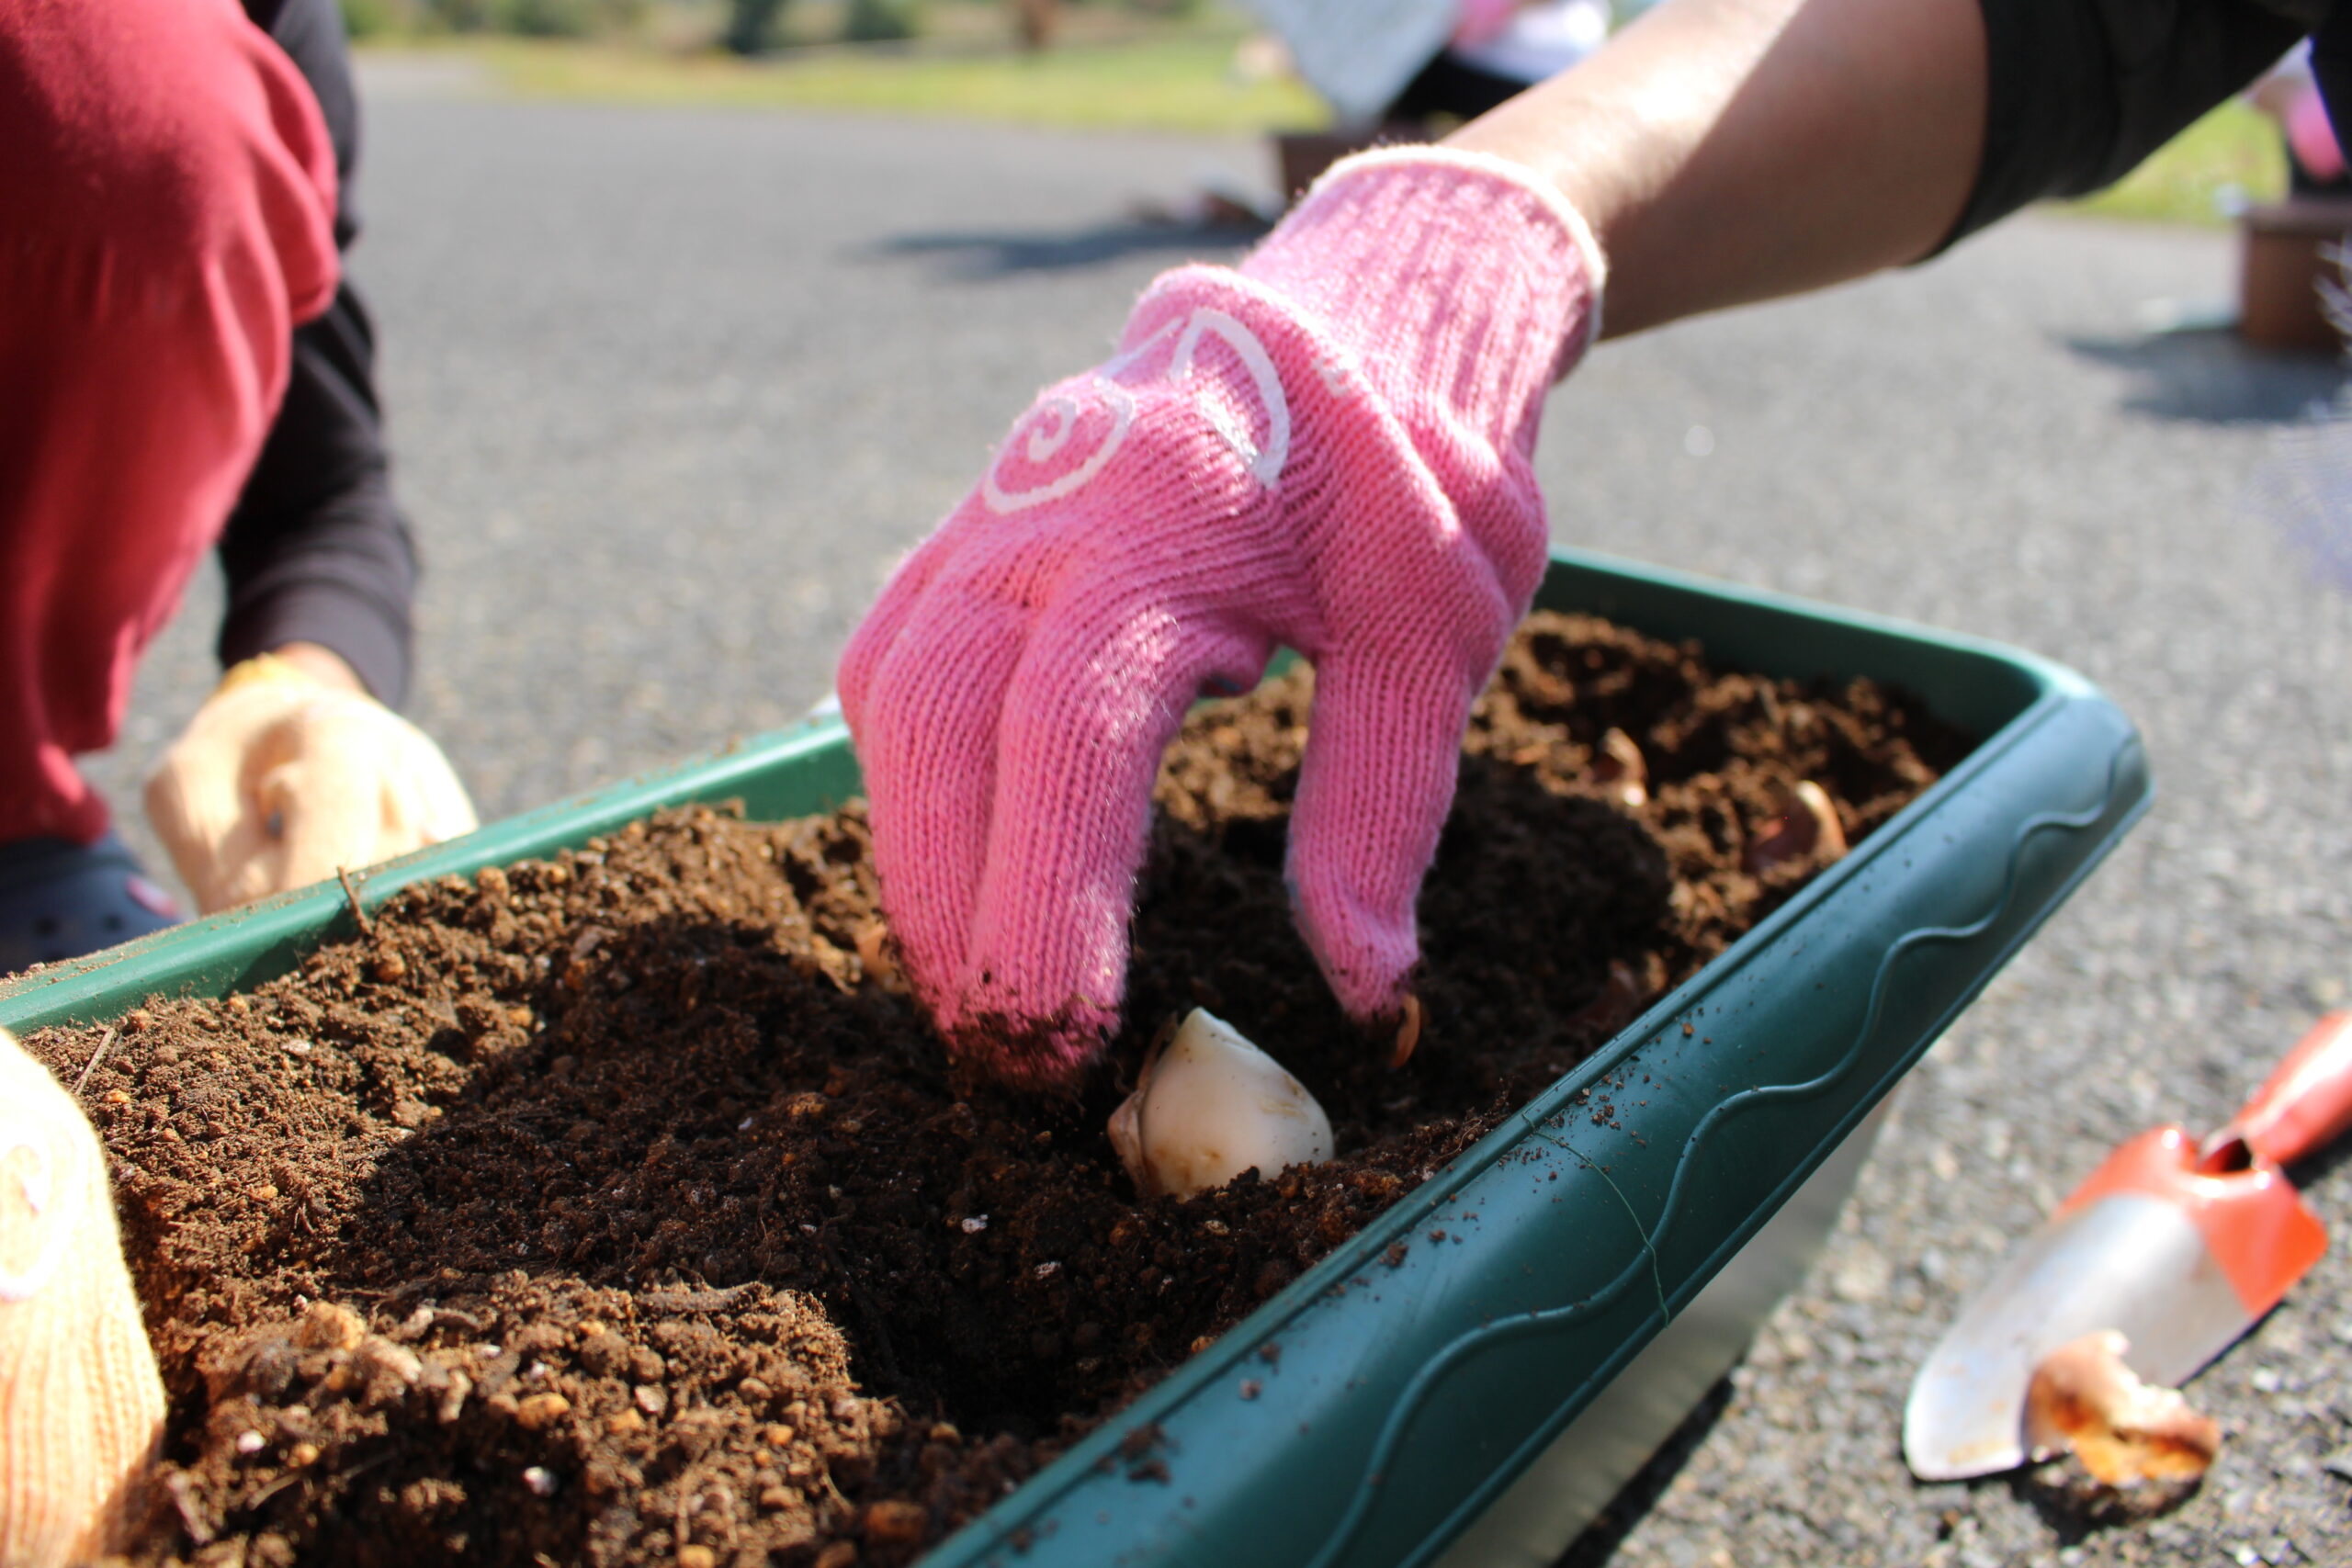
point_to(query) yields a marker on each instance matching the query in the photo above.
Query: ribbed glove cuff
(1458, 279)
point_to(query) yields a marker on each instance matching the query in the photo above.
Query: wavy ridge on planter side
(1545, 1319)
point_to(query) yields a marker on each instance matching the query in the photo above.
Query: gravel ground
(671, 391)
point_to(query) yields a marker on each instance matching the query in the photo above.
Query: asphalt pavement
(670, 390)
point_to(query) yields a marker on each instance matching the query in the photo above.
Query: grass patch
(2234, 147)
(1122, 70)
(1181, 79)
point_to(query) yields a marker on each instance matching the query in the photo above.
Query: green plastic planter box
(1481, 1399)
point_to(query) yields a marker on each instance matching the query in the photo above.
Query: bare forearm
(1730, 151)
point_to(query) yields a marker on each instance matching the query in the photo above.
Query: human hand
(1328, 447)
(81, 1406)
(286, 775)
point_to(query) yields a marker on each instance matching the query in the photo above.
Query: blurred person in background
(183, 366)
(1411, 70)
(1499, 49)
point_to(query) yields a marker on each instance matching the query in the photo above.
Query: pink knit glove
(1330, 448)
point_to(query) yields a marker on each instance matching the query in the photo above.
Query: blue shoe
(60, 899)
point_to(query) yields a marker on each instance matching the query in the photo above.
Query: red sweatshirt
(166, 217)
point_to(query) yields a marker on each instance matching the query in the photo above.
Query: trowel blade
(2179, 1262)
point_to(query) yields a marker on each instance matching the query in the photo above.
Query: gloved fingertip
(1373, 989)
(1366, 955)
(1042, 1056)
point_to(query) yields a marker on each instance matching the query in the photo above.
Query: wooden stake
(96, 1057)
(367, 926)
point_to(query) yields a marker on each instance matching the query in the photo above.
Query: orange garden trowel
(2179, 1246)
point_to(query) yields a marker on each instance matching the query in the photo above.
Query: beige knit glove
(281, 780)
(81, 1406)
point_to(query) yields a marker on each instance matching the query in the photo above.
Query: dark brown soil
(621, 1209)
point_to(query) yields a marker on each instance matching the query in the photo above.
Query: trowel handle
(2308, 1102)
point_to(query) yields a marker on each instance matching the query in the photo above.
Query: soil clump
(621, 1208)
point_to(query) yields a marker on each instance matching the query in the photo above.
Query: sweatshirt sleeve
(317, 549)
(2080, 91)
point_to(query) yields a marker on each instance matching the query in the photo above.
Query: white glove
(282, 780)
(81, 1407)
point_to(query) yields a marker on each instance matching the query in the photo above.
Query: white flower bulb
(1212, 1105)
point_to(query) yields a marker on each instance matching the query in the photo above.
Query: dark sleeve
(2331, 69)
(2080, 91)
(317, 549)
